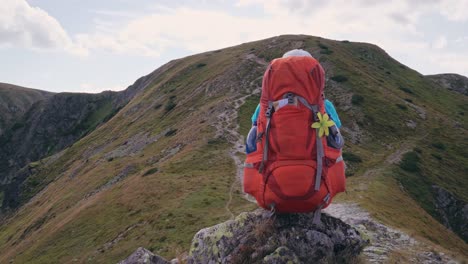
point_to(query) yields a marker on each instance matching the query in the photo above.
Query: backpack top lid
(301, 75)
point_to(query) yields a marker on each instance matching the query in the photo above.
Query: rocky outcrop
(453, 212)
(258, 237)
(452, 82)
(144, 256)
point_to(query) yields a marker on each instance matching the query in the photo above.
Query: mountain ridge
(15, 101)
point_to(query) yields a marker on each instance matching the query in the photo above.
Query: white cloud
(200, 30)
(393, 25)
(93, 88)
(31, 27)
(455, 10)
(440, 42)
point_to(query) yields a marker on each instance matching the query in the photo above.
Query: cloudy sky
(96, 45)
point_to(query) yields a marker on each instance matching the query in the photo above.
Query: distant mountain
(45, 127)
(152, 165)
(451, 81)
(15, 101)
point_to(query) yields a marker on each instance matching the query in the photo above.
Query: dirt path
(383, 239)
(227, 126)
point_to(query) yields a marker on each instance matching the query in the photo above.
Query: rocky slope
(52, 123)
(164, 166)
(452, 82)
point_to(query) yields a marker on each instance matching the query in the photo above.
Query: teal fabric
(329, 108)
(255, 115)
(331, 111)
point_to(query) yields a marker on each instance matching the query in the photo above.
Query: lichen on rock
(258, 237)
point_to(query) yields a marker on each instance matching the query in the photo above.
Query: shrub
(408, 100)
(345, 41)
(402, 106)
(357, 99)
(339, 78)
(351, 157)
(437, 156)
(171, 132)
(170, 105)
(17, 126)
(323, 46)
(200, 65)
(156, 107)
(406, 90)
(439, 145)
(326, 51)
(215, 141)
(150, 171)
(410, 162)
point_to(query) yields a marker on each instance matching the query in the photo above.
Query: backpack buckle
(290, 96)
(269, 110)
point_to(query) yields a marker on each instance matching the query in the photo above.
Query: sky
(97, 45)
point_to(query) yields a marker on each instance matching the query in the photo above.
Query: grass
(189, 190)
(161, 211)
(245, 114)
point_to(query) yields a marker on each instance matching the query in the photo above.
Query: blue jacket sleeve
(255, 115)
(331, 111)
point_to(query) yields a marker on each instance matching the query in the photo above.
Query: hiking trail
(383, 239)
(227, 125)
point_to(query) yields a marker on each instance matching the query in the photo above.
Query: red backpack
(293, 169)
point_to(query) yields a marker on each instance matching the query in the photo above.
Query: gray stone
(452, 82)
(256, 237)
(144, 256)
(453, 211)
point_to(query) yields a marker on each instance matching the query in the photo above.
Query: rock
(142, 255)
(453, 212)
(411, 124)
(255, 237)
(452, 82)
(281, 255)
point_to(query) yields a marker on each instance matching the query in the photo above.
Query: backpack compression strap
(319, 144)
(268, 114)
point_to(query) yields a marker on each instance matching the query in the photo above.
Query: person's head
(297, 53)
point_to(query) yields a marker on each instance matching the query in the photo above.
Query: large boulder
(259, 237)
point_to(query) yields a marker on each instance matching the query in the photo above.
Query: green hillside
(162, 167)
